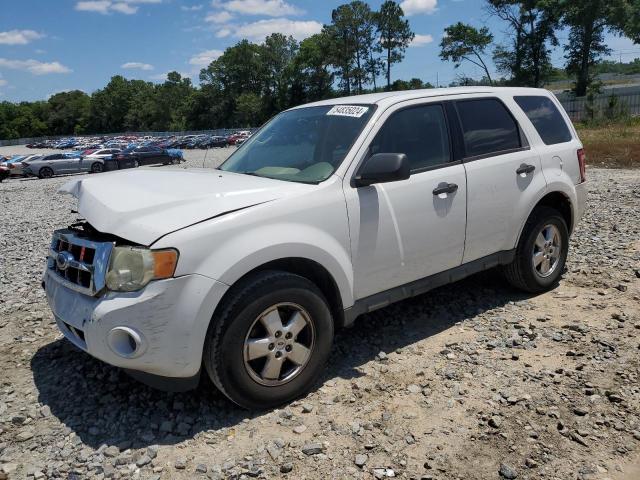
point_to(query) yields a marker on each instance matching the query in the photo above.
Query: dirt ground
(470, 381)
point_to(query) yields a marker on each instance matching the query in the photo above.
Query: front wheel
(541, 253)
(97, 167)
(269, 341)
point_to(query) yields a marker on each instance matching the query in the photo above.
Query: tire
(239, 320)
(136, 164)
(45, 172)
(522, 273)
(97, 167)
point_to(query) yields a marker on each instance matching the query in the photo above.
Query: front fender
(228, 258)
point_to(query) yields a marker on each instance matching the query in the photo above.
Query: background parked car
(14, 164)
(4, 172)
(46, 166)
(95, 158)
(147, 155)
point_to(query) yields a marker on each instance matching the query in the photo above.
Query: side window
(419, 132)
(546, 118)
(487, 127)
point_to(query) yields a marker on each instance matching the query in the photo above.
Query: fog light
(126, 342)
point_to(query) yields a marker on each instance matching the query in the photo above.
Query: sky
(48, 46)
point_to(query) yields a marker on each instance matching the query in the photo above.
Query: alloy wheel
(279, 344)
(547, 249)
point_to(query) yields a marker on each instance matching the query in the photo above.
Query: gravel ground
(470, 381)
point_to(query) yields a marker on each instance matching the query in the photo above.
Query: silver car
(46, 166)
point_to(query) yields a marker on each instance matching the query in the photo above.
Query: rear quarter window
(546, 118)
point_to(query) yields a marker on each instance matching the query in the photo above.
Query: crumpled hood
(143, 205)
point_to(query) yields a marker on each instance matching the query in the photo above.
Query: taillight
(581, 161)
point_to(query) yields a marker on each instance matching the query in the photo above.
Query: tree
(247, 112)
(631, 21)
(413, 84)
(278, 53)
(68, 112)
(314, 77)
(464, 42)
(588, 21)
(395, 34)
(342, 45)
(532, 31)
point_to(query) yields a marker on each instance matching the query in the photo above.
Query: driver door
(410, 229)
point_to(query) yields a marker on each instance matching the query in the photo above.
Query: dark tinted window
(487, 127)
(545, 118)
(418, 132)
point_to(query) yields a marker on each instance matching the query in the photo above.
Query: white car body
(379, 244)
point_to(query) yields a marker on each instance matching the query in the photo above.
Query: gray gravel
(471, 381)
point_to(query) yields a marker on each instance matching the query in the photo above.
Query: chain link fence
(602, 106)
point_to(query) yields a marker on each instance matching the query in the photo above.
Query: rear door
(57, 163)
(504, 175)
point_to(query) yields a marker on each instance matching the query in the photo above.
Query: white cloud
(203, 59)
(137, 65)
(19, 37)
(34, 66)
(99, 6)
(413, 7)
(105, 7)
(223, 33)
(3, 82)
(257, 31)
(269, 8)
(219, 17)
(193, 8)
(421, 40)
(124, 8)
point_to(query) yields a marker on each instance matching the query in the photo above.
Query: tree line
(251, 82)
(532, 32)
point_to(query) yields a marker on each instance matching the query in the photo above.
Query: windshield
(302, 145)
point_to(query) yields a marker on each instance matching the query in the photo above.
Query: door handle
(445, 188)
(525, 169)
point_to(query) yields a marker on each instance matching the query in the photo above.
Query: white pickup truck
(330, 210)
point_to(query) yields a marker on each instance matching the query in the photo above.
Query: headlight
(131, 268)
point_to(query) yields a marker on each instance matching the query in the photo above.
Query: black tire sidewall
(544, 217)
(45, 169)
(97, 167)
(236, 382)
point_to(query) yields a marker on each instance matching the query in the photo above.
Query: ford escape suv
(331, 210)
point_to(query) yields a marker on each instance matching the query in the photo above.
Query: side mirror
(382, 168)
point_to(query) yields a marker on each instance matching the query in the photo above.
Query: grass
(612, 145)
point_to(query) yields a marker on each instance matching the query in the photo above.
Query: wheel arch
(304, 267)
(557, 200)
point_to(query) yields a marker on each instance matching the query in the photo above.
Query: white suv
(331, 210)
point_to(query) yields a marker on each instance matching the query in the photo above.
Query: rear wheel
(97, 167)
(270, 340)
(45, 172)
(541, 253)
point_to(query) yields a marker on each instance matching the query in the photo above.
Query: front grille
(79, 262)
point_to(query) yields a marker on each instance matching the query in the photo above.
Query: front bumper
(169, 318)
